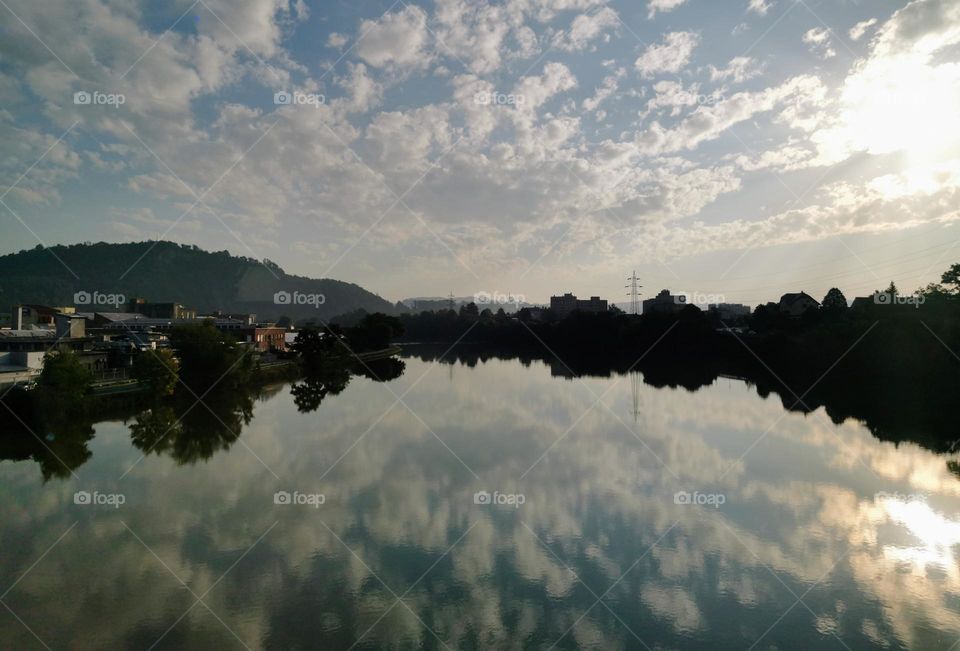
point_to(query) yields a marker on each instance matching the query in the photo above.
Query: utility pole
(634, 293)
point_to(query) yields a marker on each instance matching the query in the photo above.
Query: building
(161, 310)
(265, 338)
(796, 304)
(664, 303)
(729, 312)
(248, 319)
(565, 305)
(26, 316)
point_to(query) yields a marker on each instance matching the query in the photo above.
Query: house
(565, 305)
(794, 305)
(664, 303)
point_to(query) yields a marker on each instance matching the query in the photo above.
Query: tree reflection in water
(332, 378)
(190, 431)
(181, 427)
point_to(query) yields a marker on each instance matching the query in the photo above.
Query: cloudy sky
(742, 147)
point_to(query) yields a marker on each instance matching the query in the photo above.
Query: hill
(170, 272)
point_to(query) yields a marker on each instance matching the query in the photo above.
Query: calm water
(808, 535)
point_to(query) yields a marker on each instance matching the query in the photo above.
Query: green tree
(158, 369)
(64, 382)
(210, 359)
(834, 302)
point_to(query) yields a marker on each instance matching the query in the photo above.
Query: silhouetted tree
(834, 302)
(951, 278)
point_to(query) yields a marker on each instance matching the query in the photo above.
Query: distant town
(107, 343)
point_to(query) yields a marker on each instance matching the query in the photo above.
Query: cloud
(818, 39)
(759, 6)
(858, 30)
(585, 28)
(662, 5)
(604, 91)
(336, 40)
(397, 39)
(709, 122)
(900, 96)
(738, 70)
(672, 55)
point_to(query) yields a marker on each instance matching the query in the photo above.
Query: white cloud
(397, 39)
(336, 40)
(662, 5)
(672, 55)
(818, 39)
(858, 30)
(604, 91)
(709, 122)
(759, 6)
(738, 70)
(585, 28)
(899, 98)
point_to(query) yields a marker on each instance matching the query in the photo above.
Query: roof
(140, 320)
(119, 316)
(791, 298)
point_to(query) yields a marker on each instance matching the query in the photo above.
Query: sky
(730, 149)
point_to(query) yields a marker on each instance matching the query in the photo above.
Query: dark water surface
(802, 534)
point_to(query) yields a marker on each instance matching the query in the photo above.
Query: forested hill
(170, 272)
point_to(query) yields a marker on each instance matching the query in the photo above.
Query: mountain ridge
(164, 271)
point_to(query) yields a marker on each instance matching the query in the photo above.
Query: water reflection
(803, 517)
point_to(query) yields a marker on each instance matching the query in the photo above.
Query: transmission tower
(450, 302)
(634, 293)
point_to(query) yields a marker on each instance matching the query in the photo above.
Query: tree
(834, 302)
(314, 345)
(157, 369)
(951, 278)
(933, 291)
(892, 290)
(209, 358)
(64, 382)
